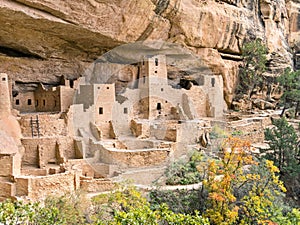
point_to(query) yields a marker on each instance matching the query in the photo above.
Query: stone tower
(153, 80)
(153, 71)
(5, 105)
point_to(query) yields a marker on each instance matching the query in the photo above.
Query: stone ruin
(81, 135)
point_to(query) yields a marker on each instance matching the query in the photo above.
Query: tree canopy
(253, 66)
(290, 82)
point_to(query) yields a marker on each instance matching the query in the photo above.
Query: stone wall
(24, 102)
(251, 129)
(87, 169)
(8, 189)
(96, 185)
(140, 128)
(22, 186)
(5, 165)
(49, 124)
(41, 151)
(104, 102)
(66, 97)
(198, 99)
(47, 100)
(54, 99)
(189, 132)
(163, 130)
(37, 188)
(10, 165)
(134, 158)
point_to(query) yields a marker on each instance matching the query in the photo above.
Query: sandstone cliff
(40, 40)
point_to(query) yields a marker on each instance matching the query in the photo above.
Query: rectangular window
(29, 102)
(44, 102)
(158, 106)
(156, 61)
(144, 79)
(213, 81)
(17, 102)
(71, 83)
(125, 110)
(100, 110)
(3, 79)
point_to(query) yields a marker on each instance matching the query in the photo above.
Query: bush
(179, 201)
(183, 173)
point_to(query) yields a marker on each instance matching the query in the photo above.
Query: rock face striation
(40, 40)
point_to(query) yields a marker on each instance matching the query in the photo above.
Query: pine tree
(283, 150)
(290, 82)
(253, 67)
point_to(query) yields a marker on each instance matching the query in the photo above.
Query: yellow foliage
(229, 173)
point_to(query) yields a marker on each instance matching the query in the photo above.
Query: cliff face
(40, 40)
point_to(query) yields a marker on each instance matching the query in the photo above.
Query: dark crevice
(17, 53)
(227, 55)
(20, 86)
(231, 57)
(161, 6)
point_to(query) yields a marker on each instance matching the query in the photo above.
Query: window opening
(17, 102)
(158, 106)
(125, 110)
(44, 102)
(100, 110)
(156, 61)
(213, 81)
(71, 83)
(29, 102)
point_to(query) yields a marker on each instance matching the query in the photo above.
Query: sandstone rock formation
(40, 40)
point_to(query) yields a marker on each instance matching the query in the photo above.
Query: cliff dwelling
(81, 135)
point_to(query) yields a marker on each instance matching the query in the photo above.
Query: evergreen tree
(253, 67)
(283, 150)
(290, 82)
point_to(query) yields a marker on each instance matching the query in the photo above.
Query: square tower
(153, 81)
(5, 106)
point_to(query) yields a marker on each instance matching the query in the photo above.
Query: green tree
(290, 82)
(18, 212)
(253, 67)
(67, 209)
(283, 150)
(184, 172)
(72, 207)
(128, 206)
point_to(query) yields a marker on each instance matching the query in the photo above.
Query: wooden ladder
(35, 126)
